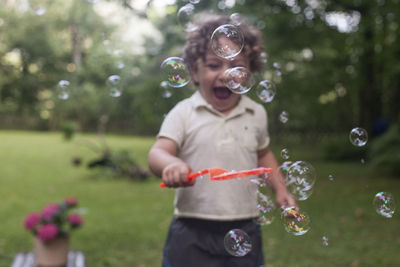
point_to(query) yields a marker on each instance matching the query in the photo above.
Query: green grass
(127, 222)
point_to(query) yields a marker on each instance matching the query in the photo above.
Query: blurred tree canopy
(336, 63)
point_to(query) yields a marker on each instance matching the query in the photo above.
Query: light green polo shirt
(207, 138)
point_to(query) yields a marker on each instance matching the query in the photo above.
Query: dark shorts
(200, 243)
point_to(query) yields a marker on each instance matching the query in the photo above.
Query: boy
(214, 128)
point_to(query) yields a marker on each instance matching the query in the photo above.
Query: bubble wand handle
(190, 176)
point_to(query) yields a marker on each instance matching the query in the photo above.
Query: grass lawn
(126, 222)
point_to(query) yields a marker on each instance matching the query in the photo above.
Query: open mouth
(222, 93)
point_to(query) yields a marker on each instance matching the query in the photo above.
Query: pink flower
(75, 220)
(48, 232)
(71, 201)
(31, 221)
(49, 210)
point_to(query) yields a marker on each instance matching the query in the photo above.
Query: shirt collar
(245, 104)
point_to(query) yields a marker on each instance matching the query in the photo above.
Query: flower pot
(53, 253)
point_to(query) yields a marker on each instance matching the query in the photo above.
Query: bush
(68, 129)
(385, 152)
(339, 148)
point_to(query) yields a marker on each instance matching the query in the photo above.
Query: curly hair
(198, 41)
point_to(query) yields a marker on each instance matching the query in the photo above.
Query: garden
(86, 84)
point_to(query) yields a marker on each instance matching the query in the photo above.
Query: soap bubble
(175, 72)
(185, 15)
(266, 207)
(237, 243)
(114, 85)
(384, 204)
(266, 91)
(166, 93)
(285, 153)
(358, 136)
(284, 116)
(325, 241)
(330, 177)
(284, 168)
(263, 58)
(37, 8)
(295, 221)
(238, 79)
(300, 179)
(236, 19)
(63, 89)
(227, 41)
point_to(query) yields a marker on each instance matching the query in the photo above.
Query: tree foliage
(336, 63)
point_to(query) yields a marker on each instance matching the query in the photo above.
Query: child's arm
(267, 159)
(164, 163)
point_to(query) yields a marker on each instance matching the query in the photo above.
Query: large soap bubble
(300, 179)
(266, 91)
(227, 41)
(237, 242)
(295, 221)
(238, 79)
(175, 72)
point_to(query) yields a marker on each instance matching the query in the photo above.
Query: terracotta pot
(51, 254)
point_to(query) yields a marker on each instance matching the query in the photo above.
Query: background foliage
(339, 62)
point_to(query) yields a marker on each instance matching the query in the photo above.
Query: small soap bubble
(120, 65)
(175, 72)
(236, 19)
(295, 221)
(285, 153)
(37, 8)
(263, 58)
(237, 243)
(300, 179)
(284, 116)
(325, 241)
(266, 91)
(358, 136)
(330, 177)
(166, 93)
(227, 41)
(238, 79)
(185, 15)
(114, 85)
(276, 65)
(384, 204)
(63, 89)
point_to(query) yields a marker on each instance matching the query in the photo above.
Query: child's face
(210, 73)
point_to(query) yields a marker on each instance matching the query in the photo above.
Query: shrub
(339, 148)
(385, 151)
(68, 129)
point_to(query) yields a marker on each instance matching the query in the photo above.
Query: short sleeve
(263, 135)
(173, 125)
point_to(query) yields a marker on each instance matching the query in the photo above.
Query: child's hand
(284, 199)
(175, 175)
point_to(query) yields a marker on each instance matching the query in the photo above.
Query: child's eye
(213, 66)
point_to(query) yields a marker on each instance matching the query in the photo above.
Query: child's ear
(195, 76)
